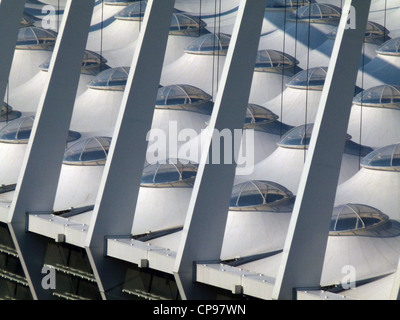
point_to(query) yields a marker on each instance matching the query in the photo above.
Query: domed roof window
(311, 79)
(390, 48)
(386, 158)
(183, 97)
(299, 137)
(317, 13)
(8, 114)
(259, 195)
(19, 131)
(111, 79)
(362, 220)
(210, 44)
(172, 173)
(91, 151)
(257, 115)
(285, 4)
(383, 96)
(91, 61)
(184, 24)
(119, 2)
(373, 31)
(35, 38)
(133, 12)
(274, 61)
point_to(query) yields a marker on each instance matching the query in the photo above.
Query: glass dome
(299, 137)
(111, 79)
(286, 4)
(390, 48)
(133, 12)
(312, 79)
(183, 97)
(373, 31)
(386, 158)
(27, 20)
(35, 38)
(274, 61)
(91, 61)
(91, 151)
(8, 114)
(210, 44)
(362, 220)
(260, 195)
(257, 115)
(172, 173)
(317, 13)
(119, 2)
(184, 24)
(19, 131)
(383, 96)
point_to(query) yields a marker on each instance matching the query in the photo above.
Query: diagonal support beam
(205, 223)
(115, 206)
(305, 246)
(38, 180)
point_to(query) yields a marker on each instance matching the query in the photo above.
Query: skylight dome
(133, 12)
(92, 151)
(386, 158)
(184, 24)
(373, 31)
(8, 114)
(111, 79)
(183, 97)
(27, 20)
(383, 96)
(210, 44)
(312, 79)
(257, 115)
(259, 195)
(172, 173)
(285, 4)
(274, 61)
(91, 61)
(19, 131)
(317, 13)
(390, 48)
(35, 38)
(358, 219)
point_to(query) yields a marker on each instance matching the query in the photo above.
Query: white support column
(305, 246)
(37, 183)
(10, 18)
(116, 202)
(205, 223)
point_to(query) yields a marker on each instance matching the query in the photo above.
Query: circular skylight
(362, 220)
(259, 195)
(8, 114)
(184, 24)
(317, 13)
(312, 79)
(285, 4)
(111, 79)
(383, 96)
(373, 31)
(386, 158)
(91, 61)
(257, 115)
(390, 48)
(133, 12)
(19, 131)
(183, 97)
(88, 152)
(274, 61)
(35, 38)
(172, 173)
(210, 44)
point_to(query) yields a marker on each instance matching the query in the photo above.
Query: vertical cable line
(308, 82)
(219, 48)
(213, 53)
(283, 71)
(101, 35)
